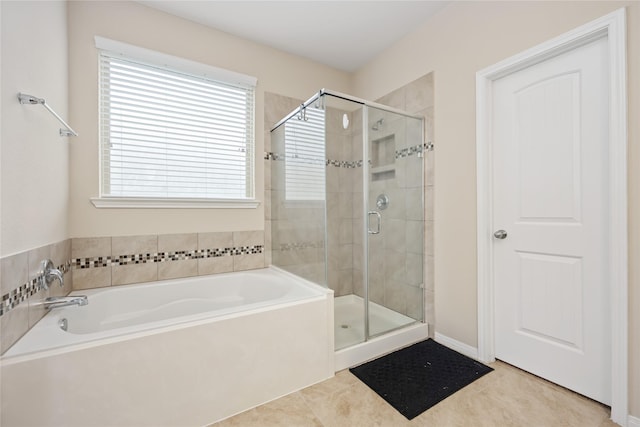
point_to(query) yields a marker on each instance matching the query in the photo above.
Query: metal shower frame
(300, 111)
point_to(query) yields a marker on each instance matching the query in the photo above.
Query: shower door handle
(377, 214)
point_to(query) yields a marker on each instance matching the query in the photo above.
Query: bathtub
(178, 352)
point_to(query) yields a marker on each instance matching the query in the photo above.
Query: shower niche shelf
(383, 158)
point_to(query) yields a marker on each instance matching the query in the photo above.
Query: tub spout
(57, 302)
(48, 274)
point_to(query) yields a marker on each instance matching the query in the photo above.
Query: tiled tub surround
(105, 261)
(21, 294)
(21, 306)
(109, 261)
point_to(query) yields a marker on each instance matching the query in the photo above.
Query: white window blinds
(305, 164)
(169, 134)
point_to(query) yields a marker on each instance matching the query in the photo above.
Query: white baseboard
(458, 346)
(633, 421)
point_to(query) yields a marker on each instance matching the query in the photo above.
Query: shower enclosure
(347, 212)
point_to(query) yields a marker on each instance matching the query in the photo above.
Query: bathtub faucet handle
(48, 274)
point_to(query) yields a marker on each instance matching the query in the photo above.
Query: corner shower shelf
(383, 158)
(383, 172)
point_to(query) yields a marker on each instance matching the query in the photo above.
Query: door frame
(613, 26)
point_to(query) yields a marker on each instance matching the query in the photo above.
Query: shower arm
(30, 99)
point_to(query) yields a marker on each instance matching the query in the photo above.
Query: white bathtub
(179, 352)
(123, 310)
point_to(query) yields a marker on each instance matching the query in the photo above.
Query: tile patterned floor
(504, 397)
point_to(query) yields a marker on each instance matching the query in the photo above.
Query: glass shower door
(393, 227)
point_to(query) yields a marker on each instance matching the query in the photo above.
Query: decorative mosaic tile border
(344, 163)
(399, 154)
(20, 294)
(284, 247)
(416, 149)
(108, 261)
(270, 155)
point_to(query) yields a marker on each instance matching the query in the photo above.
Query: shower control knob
(382, 202)
(500, 234)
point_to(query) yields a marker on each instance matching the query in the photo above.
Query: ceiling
(341, 34)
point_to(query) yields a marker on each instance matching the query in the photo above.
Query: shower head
(376, 125)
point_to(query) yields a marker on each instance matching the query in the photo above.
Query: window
(305, 164)
(173, 132)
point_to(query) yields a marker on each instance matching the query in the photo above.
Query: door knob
(500, 234)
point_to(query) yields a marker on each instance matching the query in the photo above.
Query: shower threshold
(350, 347)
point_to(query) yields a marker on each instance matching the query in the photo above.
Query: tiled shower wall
(110, 261)
(298, 242)
(276, 107)
(344, 199)
(297, 226)
(396, 286)
(344, 205)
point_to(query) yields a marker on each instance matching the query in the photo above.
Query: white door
(550, 196)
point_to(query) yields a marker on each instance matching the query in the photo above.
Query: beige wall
(462, 39)
(35, 159)
(39, 205)
(136, 24)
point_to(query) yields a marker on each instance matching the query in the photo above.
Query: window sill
(151, 203)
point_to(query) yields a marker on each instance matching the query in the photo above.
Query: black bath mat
(417, 377)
